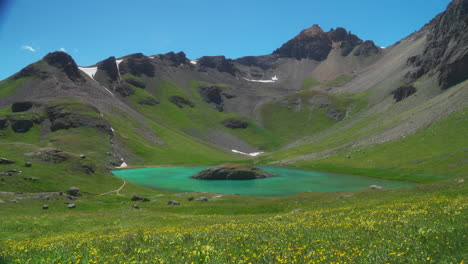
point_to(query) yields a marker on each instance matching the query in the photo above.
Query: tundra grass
(8, 86)
(422, 224)
(435, 152)
(200, 119)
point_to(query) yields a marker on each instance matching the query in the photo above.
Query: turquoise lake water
(289, 181)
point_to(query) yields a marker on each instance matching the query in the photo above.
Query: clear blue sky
(92, 30)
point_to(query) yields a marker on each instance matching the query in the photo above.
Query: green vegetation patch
(8, 86)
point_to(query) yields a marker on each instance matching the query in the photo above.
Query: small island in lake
(232, 172)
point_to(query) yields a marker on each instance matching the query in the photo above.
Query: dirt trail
(117, 192)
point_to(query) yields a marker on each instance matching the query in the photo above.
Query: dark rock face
(3, 123)
(181, 101)
(348, 41)
(22, 126)
(136, 83)
(213, 95)
(62, 117)
(110, 67)
(232, 172)
(264, 62)
(312, 43)
(148, 101)
(235, 123)
(366, 49)
(403, 92)
(174, 59)
(335, 114)
(446, 50)
(218, 62)
(21, 106)
(31, 71)
(66, 63)
(137, 64)
(124, 89)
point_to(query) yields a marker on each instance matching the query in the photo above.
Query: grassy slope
(282, 118)
(432, 153)
(7, 86)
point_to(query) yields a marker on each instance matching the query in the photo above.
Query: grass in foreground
(424, 224)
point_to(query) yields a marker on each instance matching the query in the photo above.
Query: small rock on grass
(135, 206)
(203, 199)
(297, 211)
(375, 187)
(45, 207)
(173, 203)
(71, 206)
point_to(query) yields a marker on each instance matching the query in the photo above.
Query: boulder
(21, 106)
(135, 206)
(203, 199)
(139, 198)
(71, 206)
(74, 191)
(45, 207)
(173, 203)
(375, 187)
(181, 101)
(235, 123)
(190, 198)
(4, 161)
(232, 172)
(28, 164)
(296, 211)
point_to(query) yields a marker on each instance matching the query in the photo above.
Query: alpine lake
(288, 181)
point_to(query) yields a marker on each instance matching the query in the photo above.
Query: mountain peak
(311, 32)
(65, 62)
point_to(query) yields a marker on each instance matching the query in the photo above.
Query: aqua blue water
(289, 181)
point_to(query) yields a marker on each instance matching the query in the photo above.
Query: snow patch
(383, 47)
(123, 165)
(151, 57)
(273, 79)
(253, 154)
(112, 129)
(90, 71)
(194, 62)
(118, 62)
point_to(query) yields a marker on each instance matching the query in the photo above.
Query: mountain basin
(288, 181)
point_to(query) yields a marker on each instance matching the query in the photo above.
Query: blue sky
(92, 30)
